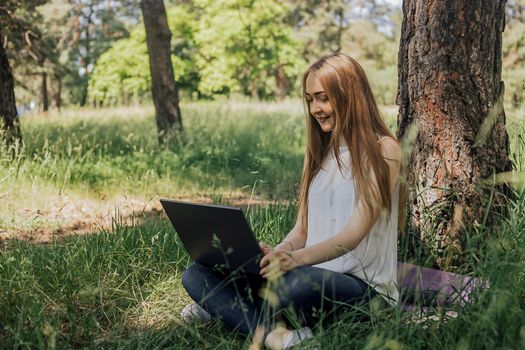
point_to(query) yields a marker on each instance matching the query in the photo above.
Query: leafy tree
(72, 34)
(246, 47)
(213, 52)
(95, 25)
(118, 78)
(48, 62)
(18, 32)
(322, 24)
(121, 78)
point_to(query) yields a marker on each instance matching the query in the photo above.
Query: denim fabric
(310, 293)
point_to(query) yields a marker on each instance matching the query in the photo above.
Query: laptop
(215, 235)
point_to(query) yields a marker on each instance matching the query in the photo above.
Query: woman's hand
(277, 262)
(284, 245)
(265, 248)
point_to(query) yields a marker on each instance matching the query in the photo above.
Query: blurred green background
(94, 52)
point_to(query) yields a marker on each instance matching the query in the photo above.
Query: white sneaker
(194, 312)
(282, 338)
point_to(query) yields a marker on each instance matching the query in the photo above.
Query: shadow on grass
(112, 289)
(122, 290)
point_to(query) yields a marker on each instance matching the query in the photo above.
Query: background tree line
(94, 51)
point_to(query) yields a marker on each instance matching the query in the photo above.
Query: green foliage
(17, 18)
(242, 45)
(254, 48)
(117, 77)
(67, 37)
(248, 48)
(122, 73)
(218, 47)
(260, 48)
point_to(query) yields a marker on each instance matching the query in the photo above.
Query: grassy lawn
(120, 288)
(230, 149)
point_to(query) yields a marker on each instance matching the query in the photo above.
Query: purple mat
(430, 287)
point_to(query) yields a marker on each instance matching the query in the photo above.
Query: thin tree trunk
(450, 98)
(57, 96)
(44, 94)
(8, 114)
(164, 89)
(86, 59)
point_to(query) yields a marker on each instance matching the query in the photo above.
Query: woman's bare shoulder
(390, 148)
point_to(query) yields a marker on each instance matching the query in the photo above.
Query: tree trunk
(86, 59)
(43, 93)
(451, 112)
(164, 90)
(8, 114)
(57, 96)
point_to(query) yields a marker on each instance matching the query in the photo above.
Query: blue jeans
(314, 294)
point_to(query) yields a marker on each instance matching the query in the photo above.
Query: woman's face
(318, 103)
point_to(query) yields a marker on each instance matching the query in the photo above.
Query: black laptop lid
(215, 235)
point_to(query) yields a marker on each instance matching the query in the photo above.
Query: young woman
(343, 247)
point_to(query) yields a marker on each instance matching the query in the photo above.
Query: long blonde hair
(357, 121)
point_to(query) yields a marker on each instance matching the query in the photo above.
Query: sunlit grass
(516, 130)
(226, 146)
(230, 149)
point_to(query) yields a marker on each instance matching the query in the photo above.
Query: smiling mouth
(322, 119)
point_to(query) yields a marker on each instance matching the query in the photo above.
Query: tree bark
(164, 89)
(86, 59)
(43, 93)
(451, 113)
(8, 114)
(57, 95)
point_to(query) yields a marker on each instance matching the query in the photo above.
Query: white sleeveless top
(331, 202)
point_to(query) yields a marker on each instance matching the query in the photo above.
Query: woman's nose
(315, 107)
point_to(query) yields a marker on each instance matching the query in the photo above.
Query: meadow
(119, 287)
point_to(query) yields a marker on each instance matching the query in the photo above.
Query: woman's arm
(295, 239)
(357, 227)
(361, 221)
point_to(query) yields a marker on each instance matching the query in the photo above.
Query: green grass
(230, 149)
(227, 146)
(122, 289)
(113, 289)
